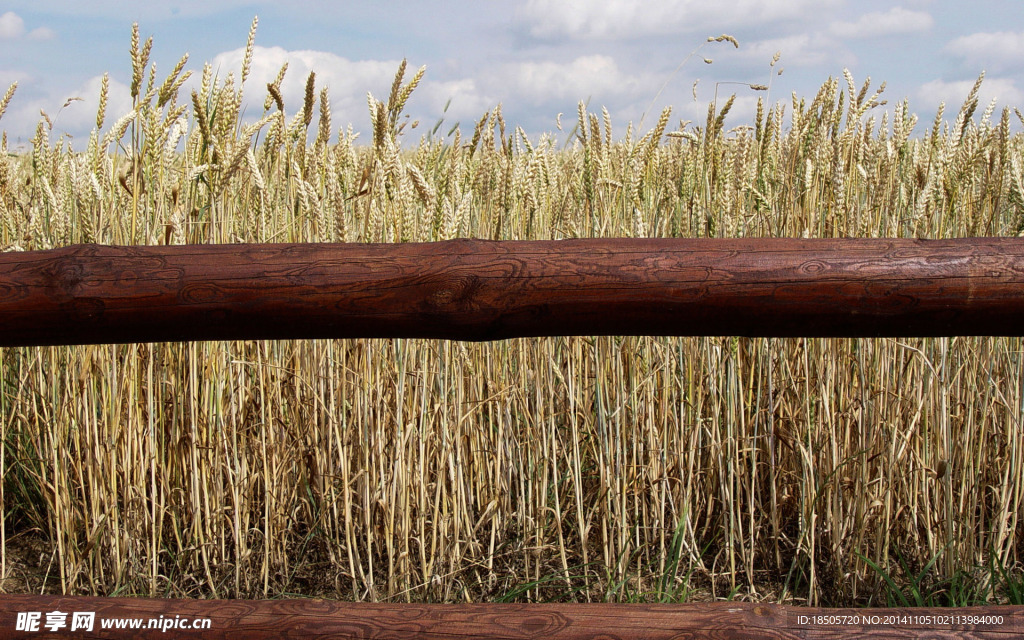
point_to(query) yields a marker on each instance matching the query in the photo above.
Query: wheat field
(810, 471)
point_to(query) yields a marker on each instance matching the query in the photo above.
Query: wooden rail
(27, 617)
(481, 290)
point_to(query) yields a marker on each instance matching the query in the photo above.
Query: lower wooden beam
(26, 616)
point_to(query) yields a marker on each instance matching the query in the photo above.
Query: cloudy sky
(537, 58)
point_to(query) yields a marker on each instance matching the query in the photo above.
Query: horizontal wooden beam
(26, 616)
(482, 290)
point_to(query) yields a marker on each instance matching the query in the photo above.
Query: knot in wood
(454, 293)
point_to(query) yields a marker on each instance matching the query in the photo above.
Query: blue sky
(537, 58)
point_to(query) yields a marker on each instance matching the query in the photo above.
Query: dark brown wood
(481, 290)
(272, 619)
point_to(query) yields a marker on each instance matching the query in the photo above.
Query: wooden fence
(480, 290)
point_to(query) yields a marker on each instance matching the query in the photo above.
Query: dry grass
(573, 468)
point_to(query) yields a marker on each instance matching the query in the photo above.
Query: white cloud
(348, 82)
(798, 51)
(954, 93)
(468, 101)
(996, 50)
(78, 117)
(583, 19)
(145, 12)
(11, 25)
(81, 116)
(7, 76)
(892, 22)
(544, 82)
(42, 33)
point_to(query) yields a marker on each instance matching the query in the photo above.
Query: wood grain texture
(483, 290)
(314, 619)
